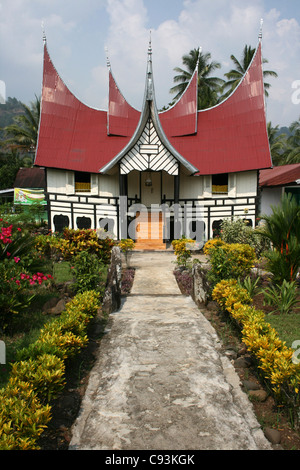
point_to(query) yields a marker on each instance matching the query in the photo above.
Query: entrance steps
(149, 231)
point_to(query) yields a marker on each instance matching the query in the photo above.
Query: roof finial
(261, 29)
(150, 46)
(44, 33)
(107, 58)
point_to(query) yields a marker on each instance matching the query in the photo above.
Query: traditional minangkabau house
(191, 168)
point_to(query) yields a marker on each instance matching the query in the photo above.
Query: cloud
(77, 33)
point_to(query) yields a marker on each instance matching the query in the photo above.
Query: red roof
(181, 119)
(280, 175)
(122, 118)
(33, 178)
(72, 135)
(229, 137)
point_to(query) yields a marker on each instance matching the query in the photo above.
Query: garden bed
(65, 409)
(267, 412)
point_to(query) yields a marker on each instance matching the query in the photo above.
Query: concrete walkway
(161, 381)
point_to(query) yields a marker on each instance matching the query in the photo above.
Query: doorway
(151, 182)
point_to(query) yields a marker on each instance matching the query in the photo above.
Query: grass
(287, 326)
(62, 272)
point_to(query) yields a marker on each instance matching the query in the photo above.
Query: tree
(282, 228)
(208, 86)
(234, 76)
(293, 153)
(278, 144)
(9, 166)
(22, 135)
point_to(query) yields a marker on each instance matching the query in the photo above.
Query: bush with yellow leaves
(38, 376)
(228, 260)
(274, 358)
(182, 248)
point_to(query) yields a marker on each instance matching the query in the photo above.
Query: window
(82, 182)
(220, 184)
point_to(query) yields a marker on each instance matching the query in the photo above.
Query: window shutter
(232, 184)
(207, 185)
(94, 184)
(70, 182)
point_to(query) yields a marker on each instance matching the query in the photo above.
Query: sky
(82, 33)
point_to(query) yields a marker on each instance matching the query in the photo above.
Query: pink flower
(18, 282)
(17, 259)
(8, 254)
(19, 229)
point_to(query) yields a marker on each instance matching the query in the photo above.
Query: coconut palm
(23, 133)
(235, 75)
(278, 144)
(208, 86)
(293, 154)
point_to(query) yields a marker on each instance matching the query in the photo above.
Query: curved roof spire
(261, 29)
(149, 112)
(107, 59)
(149, 83)
(44, 33)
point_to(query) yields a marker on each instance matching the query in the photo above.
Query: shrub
(210, 245)
(22, 416)
(90, 273)
(18, 284)
(45, 374)
(282, 228)
(229, 261)
(75, 241)
(14, 241)
(238, 231)
(126, 244)
(274, 358)
(251, 284)
(38, 374)
(66, 335)
(283, 297)
(182, 249)
(229, 292)
(47, 245)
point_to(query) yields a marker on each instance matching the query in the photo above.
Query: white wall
(246, 183)
(191, 187)
(269, 197)
(56, 181)
(109, 185)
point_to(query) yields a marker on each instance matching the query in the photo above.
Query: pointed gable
(72, 136)
(181, 119)
(122, 118)
(231, 136)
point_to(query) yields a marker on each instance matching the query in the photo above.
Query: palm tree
(282, 228)
(208, 86)
(293, 155)
(278, 144)
(22, 135)
(235, 75)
